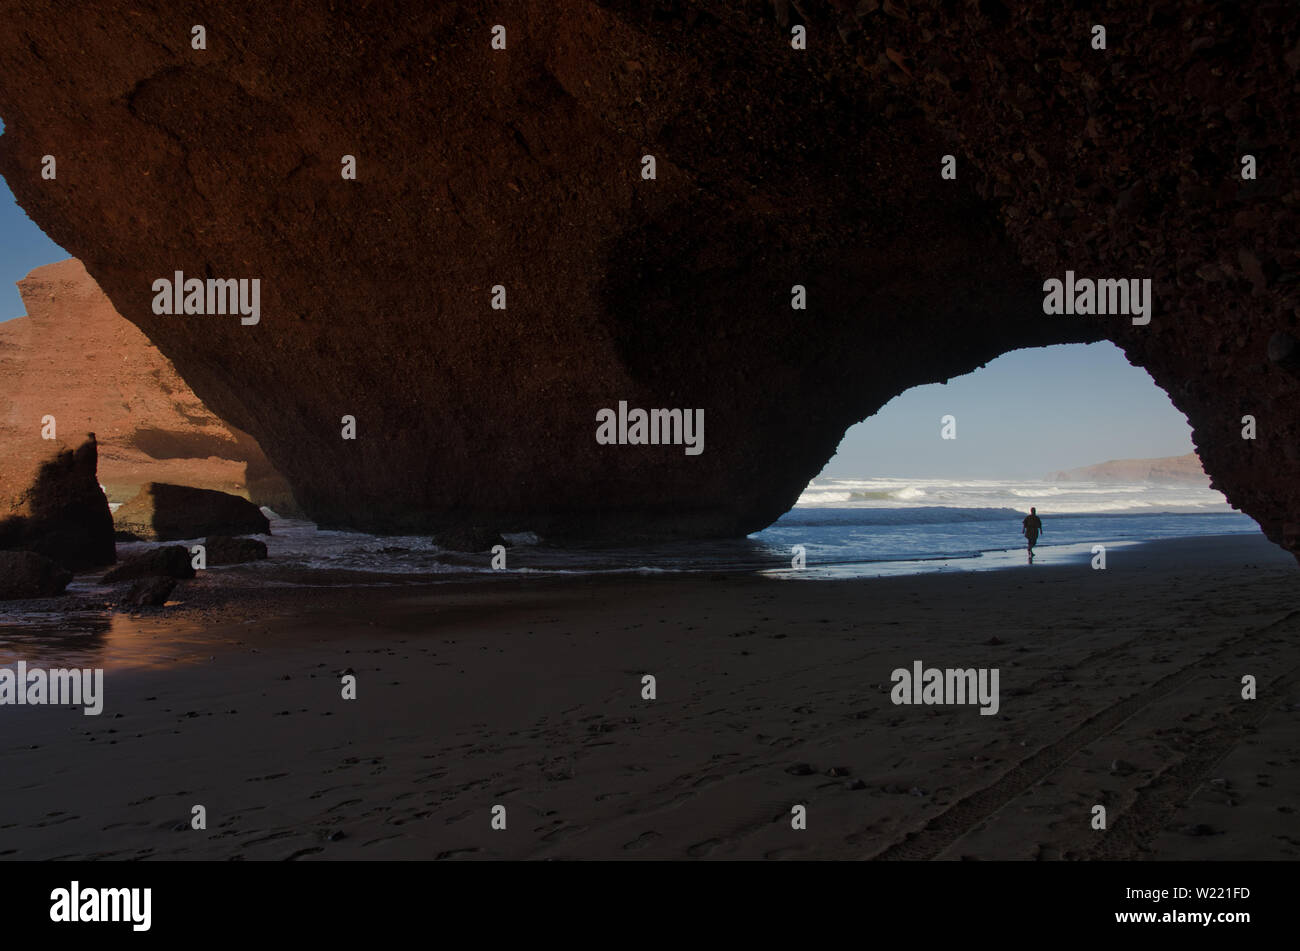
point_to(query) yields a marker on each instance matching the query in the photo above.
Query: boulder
(224, 550)
(173, 561)
(148, 592)
(25, 574)
(165, 512)
(51, 502)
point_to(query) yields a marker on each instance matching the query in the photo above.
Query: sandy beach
(1119, 688)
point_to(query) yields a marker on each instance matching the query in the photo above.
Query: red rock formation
(73, 357)
(775, 167)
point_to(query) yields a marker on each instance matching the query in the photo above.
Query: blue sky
(23, 246)
(1027, 413)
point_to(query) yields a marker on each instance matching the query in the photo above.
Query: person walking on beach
(1031, 527)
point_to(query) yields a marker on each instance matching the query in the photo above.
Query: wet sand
(1119, 688)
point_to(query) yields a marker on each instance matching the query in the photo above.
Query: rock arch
(774, 167)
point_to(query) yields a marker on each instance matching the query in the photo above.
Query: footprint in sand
(701, 849)
(641, 841)
(344, 804)
(786, 852)
(267, 838)
(563, 832)
(452, 853)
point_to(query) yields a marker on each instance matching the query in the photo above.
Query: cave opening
(947, 472)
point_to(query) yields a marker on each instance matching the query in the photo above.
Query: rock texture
(775, 167)
(148, 592)
(1169, 470)
(172, 561)
(163, 512)
(51, 503)
(469, 539)
(25, 574)
(75, 358)
(224, 550)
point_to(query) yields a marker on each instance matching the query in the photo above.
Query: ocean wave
(1054, 497)
(912, 515)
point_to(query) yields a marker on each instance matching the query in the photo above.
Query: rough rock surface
(75, 358)
(224, 550)
(775, 167)
(469, 539)
(164, 512)
(25, 574)
(173, 561)
(148, 592)
(51, 503)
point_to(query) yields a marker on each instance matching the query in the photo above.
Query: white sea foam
(1059, 498)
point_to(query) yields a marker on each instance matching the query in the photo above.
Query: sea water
(849, 527)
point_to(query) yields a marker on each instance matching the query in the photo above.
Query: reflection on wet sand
(100, 639)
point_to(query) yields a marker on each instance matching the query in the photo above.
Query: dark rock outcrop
(775, 167)
(25, 574)
(75, 358)
(163, 512)
(468, 539)
(148, 592)
(224, 550)
(51, 503)
(173, 561)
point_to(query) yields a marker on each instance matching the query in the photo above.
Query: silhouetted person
(1031, 528)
